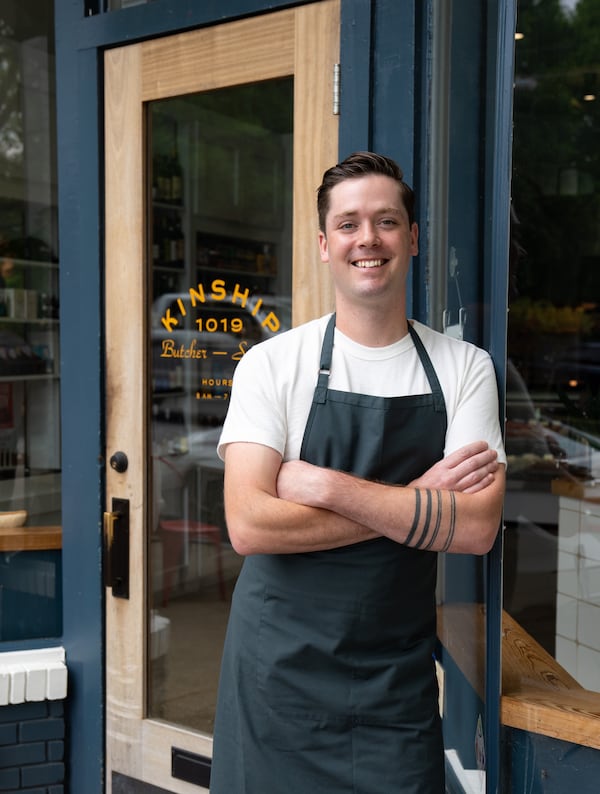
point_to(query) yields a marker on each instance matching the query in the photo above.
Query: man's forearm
(276, 526)
(426, 518)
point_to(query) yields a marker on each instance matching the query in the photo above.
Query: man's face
(368, 240)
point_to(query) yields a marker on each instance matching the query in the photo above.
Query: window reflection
(552, 542)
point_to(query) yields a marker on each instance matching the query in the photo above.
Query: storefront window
(552, 539)
(30, 512)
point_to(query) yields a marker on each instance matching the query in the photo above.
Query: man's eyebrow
(381, 211)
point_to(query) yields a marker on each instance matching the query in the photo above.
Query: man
(328, 681)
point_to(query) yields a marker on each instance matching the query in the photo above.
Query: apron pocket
(334, 659)
(303, 666)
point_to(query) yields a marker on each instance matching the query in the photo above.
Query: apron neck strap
(436, 390)
(325, 367)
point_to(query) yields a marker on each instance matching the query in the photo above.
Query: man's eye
(347, 226)
(388, 222)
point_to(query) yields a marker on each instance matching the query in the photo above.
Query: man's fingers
(480, 460)
(482, 471)
(468, 451)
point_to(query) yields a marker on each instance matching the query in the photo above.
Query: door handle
(116, 548)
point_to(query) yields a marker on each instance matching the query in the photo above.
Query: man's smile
(368, 263)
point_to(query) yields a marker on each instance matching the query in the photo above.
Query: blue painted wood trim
(78, 126)
(162, 17)
(378, 79)
(501, 33)
(356, 57)
(421, 168)
(394, 82)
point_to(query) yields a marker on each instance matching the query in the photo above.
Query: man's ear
(323, 249)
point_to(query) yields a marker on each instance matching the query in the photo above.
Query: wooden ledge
(30, 538)
(538, 695)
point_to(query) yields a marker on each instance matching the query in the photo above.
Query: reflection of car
(577, 371)
(272, 311)
(570, 370)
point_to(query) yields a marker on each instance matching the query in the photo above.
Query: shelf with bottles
(167, 179)
(28, 289)
(235, 255)
(29, 318)
(167, 218)
(27, 356)
(168, 238)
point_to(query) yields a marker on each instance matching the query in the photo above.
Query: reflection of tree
(11, 122)
(556, 154)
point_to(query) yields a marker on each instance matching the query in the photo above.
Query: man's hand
(468, 470)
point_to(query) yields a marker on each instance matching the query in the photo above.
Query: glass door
(220, 220)
(211, 167)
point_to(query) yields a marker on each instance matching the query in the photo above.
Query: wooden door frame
(307, 39)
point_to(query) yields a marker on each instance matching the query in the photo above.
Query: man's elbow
(483, 537)
(245, 536)
(240, 538)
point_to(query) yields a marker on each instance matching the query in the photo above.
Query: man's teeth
(368, 262)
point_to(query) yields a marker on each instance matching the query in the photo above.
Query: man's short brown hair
(363, 164)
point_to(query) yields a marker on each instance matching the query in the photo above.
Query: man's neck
(372, 327)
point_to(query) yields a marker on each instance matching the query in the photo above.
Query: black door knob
(119, 462)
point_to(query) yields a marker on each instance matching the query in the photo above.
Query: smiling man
(356, 447)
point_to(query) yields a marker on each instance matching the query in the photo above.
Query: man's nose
(368, 234)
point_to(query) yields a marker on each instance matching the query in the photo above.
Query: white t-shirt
(274, 383)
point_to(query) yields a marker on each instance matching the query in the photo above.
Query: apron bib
(328, 682)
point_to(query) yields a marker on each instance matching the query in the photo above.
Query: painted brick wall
(32, 737)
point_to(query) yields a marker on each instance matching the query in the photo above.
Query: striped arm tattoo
(437, 522)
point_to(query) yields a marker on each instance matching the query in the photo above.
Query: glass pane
(552, 549)
(459, 182)
(30, 499)
(219, 226)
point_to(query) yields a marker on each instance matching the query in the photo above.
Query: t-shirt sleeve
(255, 414)
(476, 413)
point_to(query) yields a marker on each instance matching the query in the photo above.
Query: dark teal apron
(328, 681)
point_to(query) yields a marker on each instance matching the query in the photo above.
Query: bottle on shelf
(163, 187)
(167, 178)
(156, 235)
(176, 177)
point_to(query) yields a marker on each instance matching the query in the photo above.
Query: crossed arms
(275, 508)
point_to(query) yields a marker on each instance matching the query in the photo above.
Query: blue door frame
(384, 73)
